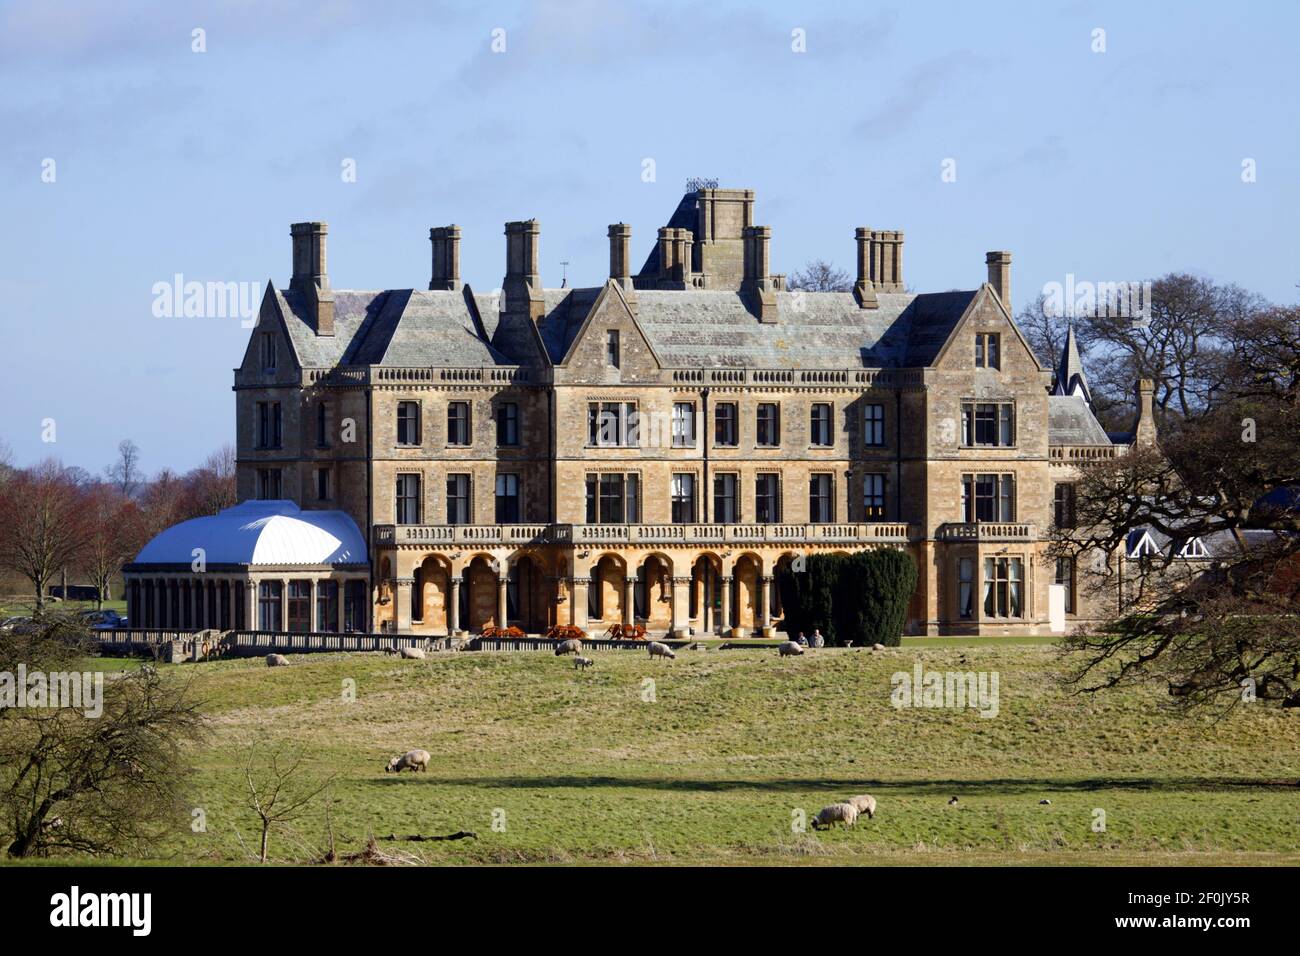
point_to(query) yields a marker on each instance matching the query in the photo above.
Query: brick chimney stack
(864, 290)
(445, 274)
(758, 282)
(1144, 429)
(310, 278)
(522, 287)
(999, 264)
(620, 255)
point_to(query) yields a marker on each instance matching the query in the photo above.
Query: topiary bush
(861, 598)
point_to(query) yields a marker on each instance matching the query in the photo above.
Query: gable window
(725, 508)
(988, 498)
(725, 429)
(268, 351)
(988, 350)
(408, 499)
(821, 498)
(612, 424)
(1064, 505)
(873, 496)
(1194, 548)
(507, 511)
(1002, 587)
(613, 498)
(767, 498)
(819, 429)
(611, 348)
(873, 425)
(268, 483)
(408, 423)
(989, 424)
(683, 498)
(458, 499)
(458, 424)
(966, 588)
(322, 426)
(508, 424)
(322, 484)
(269, 423)
(768, 425)
(683, 424)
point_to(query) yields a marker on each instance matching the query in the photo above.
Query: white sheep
(276, 660)
(582, 662)
(661, 650)
(413, 760)
(571, 646)
(864, 803)
(790, 648)
(412, 653)
(844, 813)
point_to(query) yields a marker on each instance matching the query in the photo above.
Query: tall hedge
(861, 598)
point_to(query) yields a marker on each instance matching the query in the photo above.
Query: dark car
(105, 620)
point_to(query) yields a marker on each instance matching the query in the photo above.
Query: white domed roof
(261, 532)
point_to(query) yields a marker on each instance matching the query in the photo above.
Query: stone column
(157, 597)
(578, 596)
(765, 616)
(453, 608)
(313, 625)
(402, 604)
(724, 613)
(284, 604)
(629, 600)
(340, 614)
(250, 605)
(501, 601)
(681, 607)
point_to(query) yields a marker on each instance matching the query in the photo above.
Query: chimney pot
(864, 289)
(445, 243)
(310, 279)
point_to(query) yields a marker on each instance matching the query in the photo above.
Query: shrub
(861, 597)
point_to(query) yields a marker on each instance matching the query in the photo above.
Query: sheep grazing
(412, 653)
(844, 813)
(582, 662)
(661, 650)
(571, 646)
(863, 803)
(790, 648)
(276, 660)
(877, 647)
(412, 760)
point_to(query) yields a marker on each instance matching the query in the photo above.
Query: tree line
(62, 519)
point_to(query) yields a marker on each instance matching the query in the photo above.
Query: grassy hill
(581, 769)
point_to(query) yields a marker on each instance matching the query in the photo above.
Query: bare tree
(107, 785)
(114, 533)
(125, 472)
(820, 276)
(278, 790)
(44, 527)
(212, 484)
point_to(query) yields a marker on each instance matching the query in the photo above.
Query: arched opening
(654, 593)
(745, 594)
(526, 605)
(430, 593)
(605, 595)
(706, 595)
(480, 594)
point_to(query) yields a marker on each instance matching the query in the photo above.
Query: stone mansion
(648, 450)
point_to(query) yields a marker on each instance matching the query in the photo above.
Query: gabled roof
(1217, 544)
(1070, 379)
(260, 533)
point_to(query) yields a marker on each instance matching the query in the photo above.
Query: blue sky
(1113, 166)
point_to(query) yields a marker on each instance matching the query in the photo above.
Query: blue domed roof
(261, 532)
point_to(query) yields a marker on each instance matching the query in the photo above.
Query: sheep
(413, 760)
(844, 813)
(790, 649)
(877, 647)
(863, 803)
(412, 653)
(582, 662)
(571, 646)
(661, 650)
(276, 660)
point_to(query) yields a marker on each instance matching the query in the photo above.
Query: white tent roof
(261, 532)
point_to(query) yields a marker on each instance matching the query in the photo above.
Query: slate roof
(1070, 379)
(1070, 421)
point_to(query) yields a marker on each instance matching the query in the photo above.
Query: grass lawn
(577, 768)
(24, 607)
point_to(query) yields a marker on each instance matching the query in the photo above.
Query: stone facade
(525, 459)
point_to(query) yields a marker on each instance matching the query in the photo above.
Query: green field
(581, 770)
